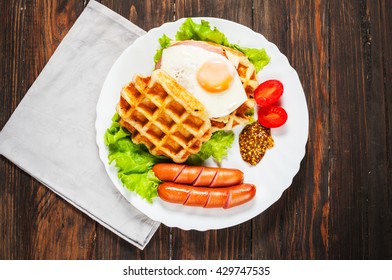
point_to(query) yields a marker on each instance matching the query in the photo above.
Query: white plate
(271, 176)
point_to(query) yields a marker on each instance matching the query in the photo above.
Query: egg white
(183, 61)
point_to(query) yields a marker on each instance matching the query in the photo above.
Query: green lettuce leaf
(202, 31)
(217, 147)
(133, 161)
(258, 57)
(164, 41)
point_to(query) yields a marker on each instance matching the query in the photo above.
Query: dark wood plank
(360, 197)
(385, 27)
(238, 11)
(348, 194)
(296, 226)
(145, 14)
(224, 244)
(9, 174)
(376, 22)
(58, 230)
(16, 226)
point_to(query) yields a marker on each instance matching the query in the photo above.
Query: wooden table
(339, 205)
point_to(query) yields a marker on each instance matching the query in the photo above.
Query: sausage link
(226, 197)
(198, 175)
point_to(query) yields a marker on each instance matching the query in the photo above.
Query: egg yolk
(214, 76)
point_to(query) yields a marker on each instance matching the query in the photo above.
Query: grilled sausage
(225, 197)
(198, 175)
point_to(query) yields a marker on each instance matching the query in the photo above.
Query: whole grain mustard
(254, 141)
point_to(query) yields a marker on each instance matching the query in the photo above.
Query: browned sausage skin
(225, 197)
(198, 175)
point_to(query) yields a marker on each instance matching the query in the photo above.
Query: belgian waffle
(247, 74)
(164, 116)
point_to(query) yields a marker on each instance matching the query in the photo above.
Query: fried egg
(209, 76)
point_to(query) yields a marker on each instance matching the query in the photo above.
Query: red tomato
(268, 92)
(272, 116)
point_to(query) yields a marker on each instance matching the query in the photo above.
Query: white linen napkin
(51, 134)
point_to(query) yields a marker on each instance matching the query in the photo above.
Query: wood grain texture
(145, 14)
(365, 149)
(379, 137)
(339, 205)
(360, 197)
(238, 11)
(302, 229)
(385, 52)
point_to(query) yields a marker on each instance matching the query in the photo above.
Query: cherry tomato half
(272, 116)
(268, 92)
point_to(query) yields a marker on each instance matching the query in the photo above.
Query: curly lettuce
(164, 42)
(202, 31)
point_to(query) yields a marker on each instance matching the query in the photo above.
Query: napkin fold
(51, 134)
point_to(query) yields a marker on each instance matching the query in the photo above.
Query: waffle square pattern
(163, 116)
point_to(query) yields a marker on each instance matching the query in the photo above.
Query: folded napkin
(51, 134)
